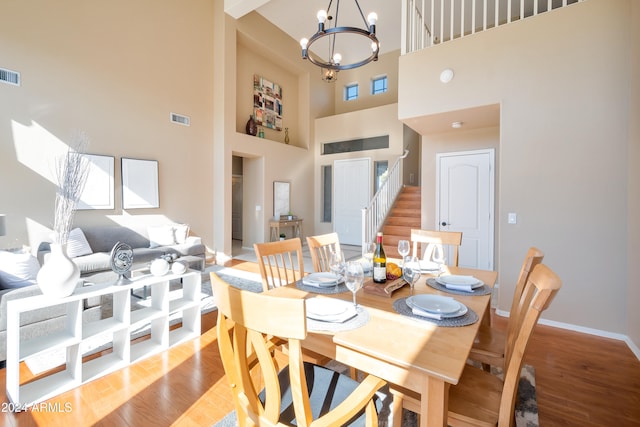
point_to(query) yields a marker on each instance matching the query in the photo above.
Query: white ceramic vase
(59, 276)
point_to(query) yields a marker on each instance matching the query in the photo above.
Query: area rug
(526, 408)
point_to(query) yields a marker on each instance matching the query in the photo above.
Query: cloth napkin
(319, 283)
(465, 288)
(419, 312)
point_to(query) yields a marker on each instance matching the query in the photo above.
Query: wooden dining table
(412, 353)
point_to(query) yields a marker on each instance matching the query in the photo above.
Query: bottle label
(380, 273)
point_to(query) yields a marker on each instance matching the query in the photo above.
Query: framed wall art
(267, 103)
(98, 188)
(140, 184)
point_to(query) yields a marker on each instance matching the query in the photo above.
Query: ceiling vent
(9, 77)
(180, 119)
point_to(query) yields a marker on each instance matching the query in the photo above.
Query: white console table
(118, 327)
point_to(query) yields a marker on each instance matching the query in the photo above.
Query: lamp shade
(3, 228)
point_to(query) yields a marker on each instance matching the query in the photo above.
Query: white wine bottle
(379, 262)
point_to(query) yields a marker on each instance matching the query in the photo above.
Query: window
(351, 92)
(362, 144)
(326, 193)
(378, 85)
(381, 169)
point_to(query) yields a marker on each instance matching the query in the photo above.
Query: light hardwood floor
(581, 380)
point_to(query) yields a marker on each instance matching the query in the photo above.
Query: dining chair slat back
(300, 393)
(427, 242)
(491, 342)
(320, 248)
(280, 262)
(479, 389)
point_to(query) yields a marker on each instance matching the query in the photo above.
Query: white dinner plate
(330, 309)
(428, 265)
(459, 281)
(434, 303)
(320, 279)
(460, 312)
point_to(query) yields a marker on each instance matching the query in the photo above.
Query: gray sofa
(95, 267)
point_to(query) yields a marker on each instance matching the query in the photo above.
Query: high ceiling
(298, 19)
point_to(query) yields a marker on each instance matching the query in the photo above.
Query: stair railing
(375, 213)
(429, 22)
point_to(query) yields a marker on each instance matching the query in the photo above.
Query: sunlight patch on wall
(37, 149)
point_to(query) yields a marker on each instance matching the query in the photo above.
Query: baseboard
(590, 331)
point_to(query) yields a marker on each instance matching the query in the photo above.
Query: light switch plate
(512, 218)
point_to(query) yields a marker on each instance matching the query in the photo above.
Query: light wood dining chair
(481, 398)
(308, 394)
(280, 262)
(426, 241)
(321, 247)
(491, 343)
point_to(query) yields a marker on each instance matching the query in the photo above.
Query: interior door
(465, 202)
(352, 192)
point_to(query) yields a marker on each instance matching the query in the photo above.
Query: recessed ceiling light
(456, 125)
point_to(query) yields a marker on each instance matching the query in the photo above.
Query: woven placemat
(359, 320)
(401, 307)
(329, 290)
(482, 290)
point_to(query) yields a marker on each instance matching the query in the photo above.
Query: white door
(464, 202)
(351, 193)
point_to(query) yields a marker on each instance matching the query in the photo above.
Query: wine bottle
(379, 262)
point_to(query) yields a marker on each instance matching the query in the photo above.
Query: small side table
(275, 226)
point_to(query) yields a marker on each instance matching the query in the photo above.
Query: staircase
(403, 216)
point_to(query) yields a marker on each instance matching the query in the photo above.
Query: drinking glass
(438, 258)
(403, 249)
(368, 248)
(354, 277)
(411, 271)
(336, 264)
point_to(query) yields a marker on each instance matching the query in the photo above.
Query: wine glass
(336, 263)
(354, 276)
(403, 249)
(411, 271)
(367, 253)
(438, 257)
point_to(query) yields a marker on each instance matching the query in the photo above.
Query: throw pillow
(181, 233)
(161, 235)
(77, 245)
(17, 269)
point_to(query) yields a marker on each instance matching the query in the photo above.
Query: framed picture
(98, 189)
(140, 184)
(267, 103)
(281, 198)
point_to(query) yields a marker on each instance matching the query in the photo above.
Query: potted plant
(282, 236)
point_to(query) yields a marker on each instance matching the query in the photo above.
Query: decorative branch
(72, 171)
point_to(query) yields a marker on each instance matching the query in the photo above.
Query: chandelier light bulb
(374, 46)
(322, 16)
(337, 58)
(304, 42)
(372, 18)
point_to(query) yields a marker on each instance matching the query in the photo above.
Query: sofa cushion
(98, 261)
(161, 235)
(77, 244)
(104, 238)
(17, 269)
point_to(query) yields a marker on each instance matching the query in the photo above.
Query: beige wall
(115, 71)
(386, 65)
(633, 160)
(563, 146)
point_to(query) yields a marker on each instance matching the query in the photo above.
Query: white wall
(563, 145)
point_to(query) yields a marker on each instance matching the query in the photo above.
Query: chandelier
(333, 63)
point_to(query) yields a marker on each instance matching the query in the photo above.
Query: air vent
(10, 77)
(180, 119)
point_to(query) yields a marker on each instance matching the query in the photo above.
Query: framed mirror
(281, 198)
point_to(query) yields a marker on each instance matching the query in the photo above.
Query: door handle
(444, 223)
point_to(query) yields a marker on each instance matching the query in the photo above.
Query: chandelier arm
(366, 23)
